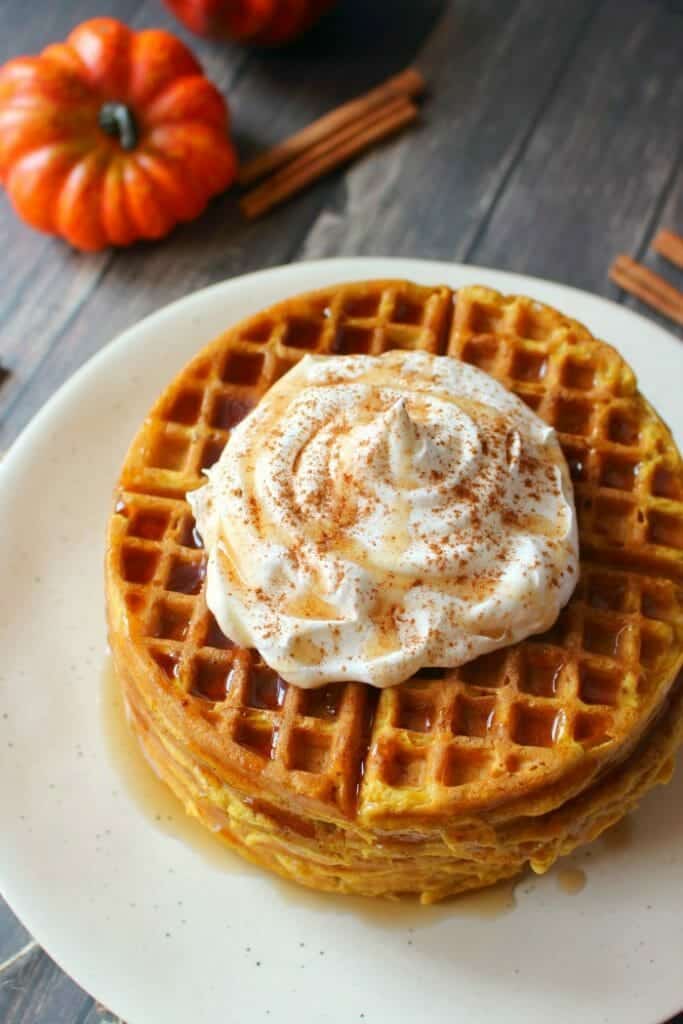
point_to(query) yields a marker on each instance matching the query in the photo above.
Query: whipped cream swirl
(377, 515)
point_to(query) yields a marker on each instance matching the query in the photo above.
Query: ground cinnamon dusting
(401, 507)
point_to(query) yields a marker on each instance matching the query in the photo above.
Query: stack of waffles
(458, 777)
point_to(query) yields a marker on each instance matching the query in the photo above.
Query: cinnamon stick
(408, 84)
(670, 246)
(327, 156)
(330, 144)
(647, 286)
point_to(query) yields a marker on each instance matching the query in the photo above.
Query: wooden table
(551, 141)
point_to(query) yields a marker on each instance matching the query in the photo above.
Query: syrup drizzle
(151, 796)
(160, 806)
(571, 880)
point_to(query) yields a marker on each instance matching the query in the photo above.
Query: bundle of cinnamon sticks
(329, 142)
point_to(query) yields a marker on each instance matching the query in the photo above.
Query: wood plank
(13, 935)
(36, 990)
(668, 213)
(46, 283)
(490, 64)
(49, 21)
(85, 301)
(35, 264)
(33, 988)
(352, 50)
(601, 156)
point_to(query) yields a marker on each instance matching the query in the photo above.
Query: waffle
(457, 777)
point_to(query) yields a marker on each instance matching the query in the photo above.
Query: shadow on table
(355, 47)
(363, 29)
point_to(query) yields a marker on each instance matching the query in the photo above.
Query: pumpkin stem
(118, 120)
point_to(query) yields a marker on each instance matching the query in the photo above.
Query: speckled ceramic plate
(154, 928)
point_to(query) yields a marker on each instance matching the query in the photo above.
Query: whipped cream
(373, 516)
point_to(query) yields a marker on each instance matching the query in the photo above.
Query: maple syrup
(407, 913)
(571, 880)
(152, 797)
(156, 801)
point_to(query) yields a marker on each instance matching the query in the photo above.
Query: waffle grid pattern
(446, 738)
(189, 429)
(626, 471)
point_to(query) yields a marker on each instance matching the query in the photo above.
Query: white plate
(153, 929)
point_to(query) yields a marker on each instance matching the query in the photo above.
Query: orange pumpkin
(112, 136)
(263, 22)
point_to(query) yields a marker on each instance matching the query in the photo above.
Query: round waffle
(457, 777)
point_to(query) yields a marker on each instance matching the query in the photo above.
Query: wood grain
(669, 211)
(407, 85)
(551, 141)
(13, 937)
(590, 179)
(329, 155)
(489, 65)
